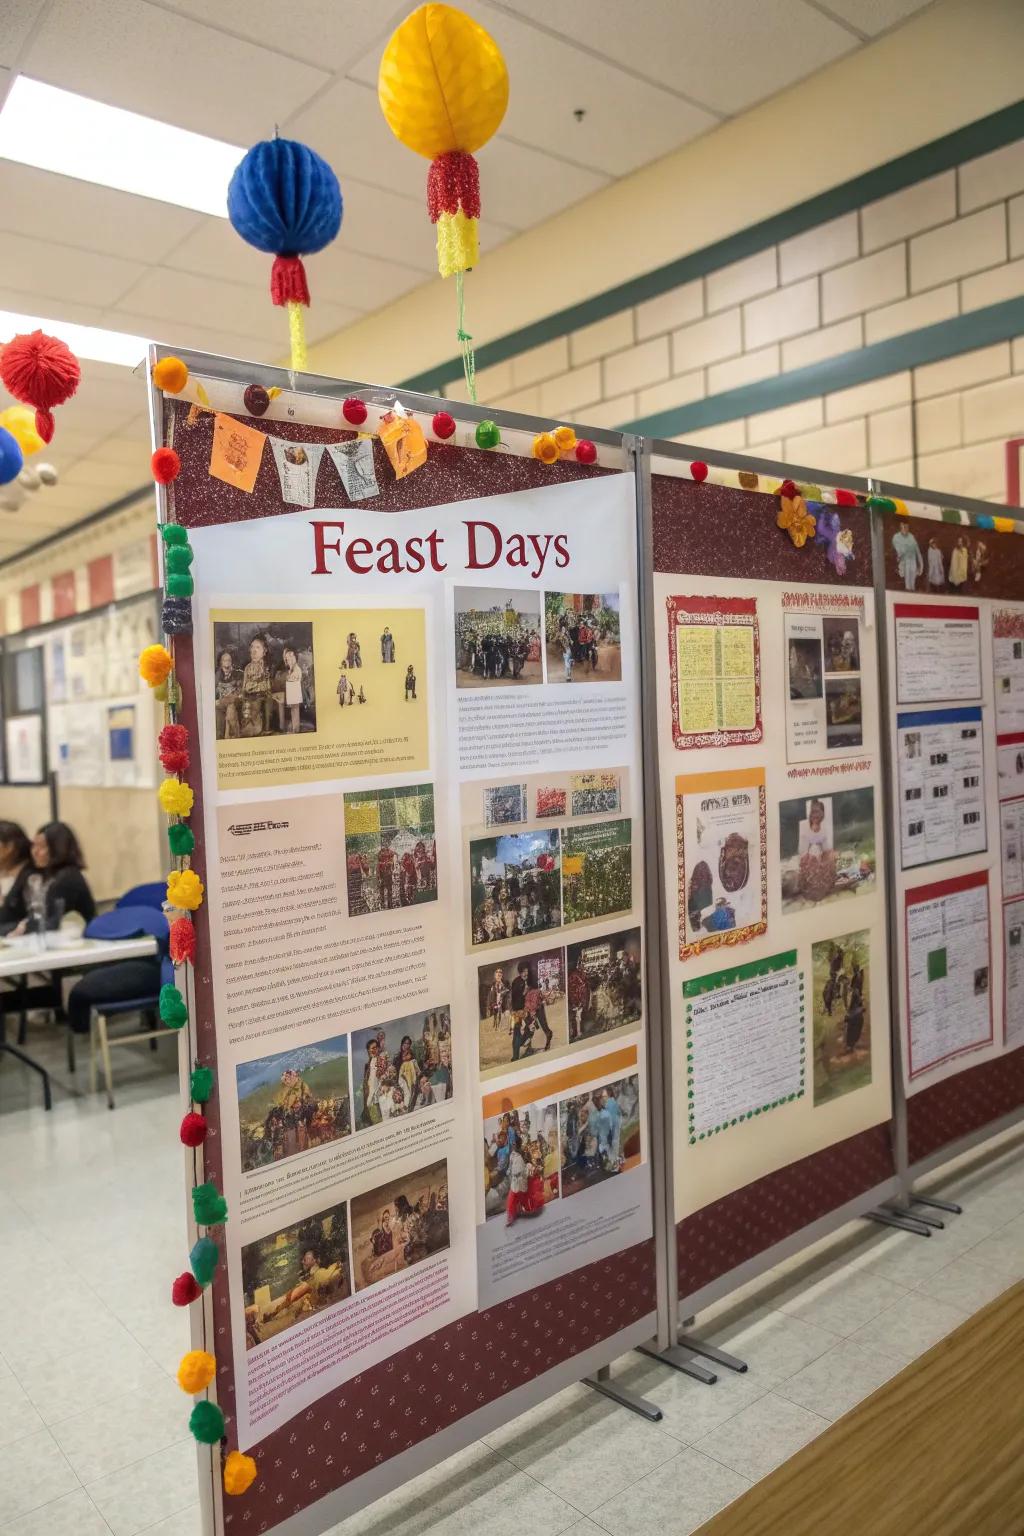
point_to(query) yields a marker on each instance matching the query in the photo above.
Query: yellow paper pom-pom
(239, 1472)
(1003, 524)
(196, 1371)
(184, 889)
(20, 422)
(545, 448)
(155, 665)
(175, 797)
(170, 375)
(900, 507)
(565, 438)
(442, 84)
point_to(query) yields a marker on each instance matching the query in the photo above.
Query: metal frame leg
(936, 1205)
(887, 1218)
(679, 1360)
(108, 1073)
(929, 1221)
(26, 1061)
(602, 1382)
(710, 1352)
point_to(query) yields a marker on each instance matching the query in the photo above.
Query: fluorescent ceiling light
(86, 341)
(56, 130)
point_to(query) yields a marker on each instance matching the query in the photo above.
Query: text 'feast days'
(486, 547)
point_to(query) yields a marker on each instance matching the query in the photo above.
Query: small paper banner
(297, 464)
(354, 463)
(237, 453)
(404, 445)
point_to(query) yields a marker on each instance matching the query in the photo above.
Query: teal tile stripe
(977, 138)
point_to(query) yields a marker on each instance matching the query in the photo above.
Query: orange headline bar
(710, 783)
(601, 1069)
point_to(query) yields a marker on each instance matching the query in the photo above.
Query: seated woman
(58, 858)
(15, 868)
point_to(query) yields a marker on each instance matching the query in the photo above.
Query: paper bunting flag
(354, 463)
(297, 465)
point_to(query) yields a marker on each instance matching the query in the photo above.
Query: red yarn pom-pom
(443, 424)
(586, 451)
(193, 1130)
(183, 941)
(846, 498)
(354, 411)
(40, 370)
(175, 762)
(165, 466)
(788, 489)
(45, 425)
(173, 738)
(699, 470)
(185, 1290)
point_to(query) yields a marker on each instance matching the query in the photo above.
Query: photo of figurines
(293, 1102)
(522, 1009)
(597, 870)
(946, 560)
(600, 1134)
(841, 639)
(515, 885)
(827, 847)
(390, 848)
(504, 804)
(294, 1273)
(497, 637)
(521, 1162)
(263, 679)
(402, 1066)
(581, 632)
(351, 689)
(842, 1015)
(604, 984)
(399, 1224)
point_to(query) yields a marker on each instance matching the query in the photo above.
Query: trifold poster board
(421, 956)
(774, 872)
(956, 667)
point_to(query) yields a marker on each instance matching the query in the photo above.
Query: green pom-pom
(203, 1260)
(208, 1206)
(179, 584)
(180, 838)
(487, 434)
(201, 1085)
(207, 1423)
(173, 1011)
(173, 533)
(178, 557)
(881, 503)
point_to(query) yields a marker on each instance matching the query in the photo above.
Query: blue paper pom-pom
(285, 199)
(12, 460)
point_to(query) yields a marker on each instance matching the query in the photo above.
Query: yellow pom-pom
(170, 375)
(458, 244)
(1003, 524)
(545, 448)
(20, 422)
(442, 84)
(184, 889)
(565, 439)
(900, 507)
(155, 665)
(175, 797)
(196, 1371)
(239, 1472)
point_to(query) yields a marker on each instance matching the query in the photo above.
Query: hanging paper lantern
(11, 457)
(41, 371)
(20, 422)
(285, 200)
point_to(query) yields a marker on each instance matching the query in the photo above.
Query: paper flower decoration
(794, 518)
(175, 798)
(545, 448)
(838, 541)
(41, 371)
(155, 665)
(285, 200)
(183, 942)
(184, 889)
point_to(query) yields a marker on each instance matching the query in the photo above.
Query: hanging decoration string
(465, 338)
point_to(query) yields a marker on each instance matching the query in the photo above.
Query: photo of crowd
(826, 847)
(605, 984)
(551, 801)
(263, 679)
(515, 885)
(581, 632)
(294, 1273)
(594, 794)
(522, 1009)
(600, 1134)
(402, 1066)
(597, 870)
(399, 1224)
(504, 804)
(390, 848)
(521, 1162)
(292, 1102)
(497, 637)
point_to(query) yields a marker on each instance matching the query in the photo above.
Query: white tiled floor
(93, 1428)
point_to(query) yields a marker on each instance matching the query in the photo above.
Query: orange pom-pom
(239, 1473)
(170, 375)
(165, 466)
(155, 665)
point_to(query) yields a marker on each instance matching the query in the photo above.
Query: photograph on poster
(597, 870)
(841, 981)
(293, 1101)
(1013, 973)
(826, 847)
(551, 801)
(595, 793)
(581, 633)
(264, 679)
(402, 1066)
(599, 1132)
(497, 637)
(949, 1005)
(390, 848)
(504, 804)
(399, 1224)
(522, 1009)
(605, 984)
(844, 720)
(721, 848)
(941, 772)
(294, 1273)
(824, 707)
(521, 1161)
(715, 670)
(515, 885)
(1008, 665)
(938, 652)
(805, 663)
(1010, 765)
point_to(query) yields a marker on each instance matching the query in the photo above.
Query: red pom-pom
(175, 762)
(443, 424)
(699, 470)
(193, 1130)
(40, 370)
(173, 737)
(185, 1290)
(354, 411)
(45, 425)
(183, 941)
(288, 283)
(846, 498)
(165, 466)
(586, 451)
(788, 489)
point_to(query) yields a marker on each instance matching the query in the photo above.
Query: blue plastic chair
(152, 894)
(127, 922)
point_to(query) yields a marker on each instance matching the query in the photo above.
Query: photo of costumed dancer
(521, 1165)
(522, 1009)
(263, 679)
(515, 886)
(581, 631)
(294, 1273)
(399, 1224)
(390, 849)
(842, 1015)
(600, 1134)
(293, 1101)
(605, 984)
(402, 1066)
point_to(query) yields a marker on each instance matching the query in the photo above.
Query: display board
(774, 870)
(418, 819)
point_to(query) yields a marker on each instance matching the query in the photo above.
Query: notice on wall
(715, 671)
(721, 845)
(1011, 844)
(1013, 973)
(941, 774)
(1008, 668)
(824, 705)
(24, 742)
(938, 652)
(949, 1001)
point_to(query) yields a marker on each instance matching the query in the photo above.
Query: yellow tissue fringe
(297, 336)
(458, 245)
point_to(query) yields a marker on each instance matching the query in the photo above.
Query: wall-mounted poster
(1008, 667)
(827, 848)
(949, 1000)
(841, 993)
(721, 847)
(941, 769)
(24, 736)
(715, 670)
(824, 704)
(1011, 845)
(1013, 973)
(938, 652)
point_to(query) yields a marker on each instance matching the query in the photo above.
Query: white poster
(824, 705)
(938, 652)
(949, 1000)
(941, 785)
(1011, 844)
(24, 735)
(1013, 972)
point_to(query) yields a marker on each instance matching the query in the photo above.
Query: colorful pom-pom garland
(239, 1473)
(196, 1371)
(487, 434)
(443, 425)
(354, 411)
(586, 451)
(171, 375)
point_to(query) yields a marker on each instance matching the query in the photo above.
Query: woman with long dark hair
(58, 858)
(15, 868)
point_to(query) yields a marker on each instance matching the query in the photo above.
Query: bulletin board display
(774, 871)
(420, 828)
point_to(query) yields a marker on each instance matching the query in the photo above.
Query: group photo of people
(522, 1009)
(390, 848)
(399, 1224)
(515, 885)
(497, 637)
(402, 1066)
(951, 561)
(600, 1134)
(581, 632)
(597, 870)
(294, 1273)
(293, 1101)
(605, 984)
(842, 1015)
(263, 679)
(521, 1161)
(826, 847)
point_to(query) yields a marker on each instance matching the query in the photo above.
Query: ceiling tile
(50, 271)
(19, 17)
(148, 60)
(521, 186)
(346, 126)
(186, 334)
(78, 213)
(182, 297)
(323, 32)
(873, 16)
(21, 303)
